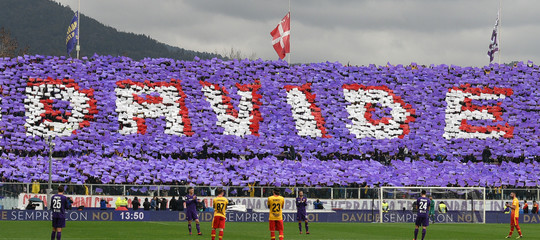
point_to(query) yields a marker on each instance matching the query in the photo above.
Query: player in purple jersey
(422, 218)
(301, 203)
(191, 210)
(58, 207)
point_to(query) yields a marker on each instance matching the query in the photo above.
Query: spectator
(121, 204)
(136, 204)
(153, 203)
(158, 204)
(507, 209)
(384, 206)
(414, 206)
(163, 204)
(180, 204)
(486, 155)
(213, 191)
(146, 204)
(69, 203)
(405, 151)
(318, 204)
(103, 204)
(201, 207)
(442, 208)
(172, 204)
(535, 207)
(470, 158)
(118, 202)
(401, 153)
(35, 187)
(525, 207)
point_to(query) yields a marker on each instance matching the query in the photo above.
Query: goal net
(452, 204)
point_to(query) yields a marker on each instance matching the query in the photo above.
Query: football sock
(53, 235)
(519, 230)
(423, 233)
(300, 227)
(213, 234)
(220, 235)
(307, 229)
(198, 228)
(511, 230)
(189, 227)
(280, 235)
(272, 235)
(58, 235)
(415, 233)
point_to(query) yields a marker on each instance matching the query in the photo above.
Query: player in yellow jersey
(275, 204)
(514, 216)
(220, 206)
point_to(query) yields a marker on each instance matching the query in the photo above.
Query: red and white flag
(280, 36)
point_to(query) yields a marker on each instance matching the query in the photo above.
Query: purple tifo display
(117, 119)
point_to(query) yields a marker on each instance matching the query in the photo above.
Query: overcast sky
(360, 32)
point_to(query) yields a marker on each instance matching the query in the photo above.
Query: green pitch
(253, 231)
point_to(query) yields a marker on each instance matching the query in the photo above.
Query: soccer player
(514, 216)
(301, 203)
(422, 219)
(432, 209)
(220, 206)
(191, 210)
(275, 220)
(58, 206)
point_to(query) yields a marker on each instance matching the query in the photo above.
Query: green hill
(41, 26)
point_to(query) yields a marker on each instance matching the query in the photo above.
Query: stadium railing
(9, 189)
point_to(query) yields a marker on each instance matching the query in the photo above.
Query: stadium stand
(214, 122)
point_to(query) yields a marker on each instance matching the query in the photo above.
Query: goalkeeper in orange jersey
(220, 206)
(275, 204)
(514, 216)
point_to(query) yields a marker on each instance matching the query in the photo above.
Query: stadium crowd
(107, 145)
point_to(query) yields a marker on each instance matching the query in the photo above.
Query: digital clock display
(132, 216)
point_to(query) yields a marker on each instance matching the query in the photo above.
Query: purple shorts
(301, 216)
(191, 215)
(58, 222)
(422, 220)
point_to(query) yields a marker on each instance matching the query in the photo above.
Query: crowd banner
(175, 104)
(122, 121)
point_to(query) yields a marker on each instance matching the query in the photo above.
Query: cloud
(360, 32)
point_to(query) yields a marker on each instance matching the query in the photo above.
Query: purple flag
(494, 45)
(72, 33)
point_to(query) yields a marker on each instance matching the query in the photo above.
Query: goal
(463, 204)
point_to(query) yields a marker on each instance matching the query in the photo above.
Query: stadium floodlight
(464, 204)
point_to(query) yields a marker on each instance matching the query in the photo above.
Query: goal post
(464, 204)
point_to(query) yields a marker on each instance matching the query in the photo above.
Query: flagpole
(499, 33)
(289, 61)
(78, 29)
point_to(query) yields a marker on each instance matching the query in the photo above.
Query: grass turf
(253, 231)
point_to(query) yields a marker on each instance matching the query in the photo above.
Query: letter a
(136, 101)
